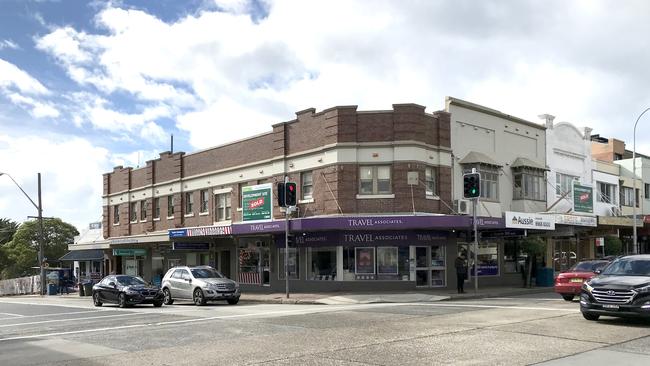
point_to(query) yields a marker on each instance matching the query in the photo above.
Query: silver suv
(199, 284)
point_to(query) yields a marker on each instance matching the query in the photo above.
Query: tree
(532, 246)
(613, 245)
(7, 230)
(22, 251)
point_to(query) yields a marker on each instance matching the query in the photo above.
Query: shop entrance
(430, 266)
(254, 261)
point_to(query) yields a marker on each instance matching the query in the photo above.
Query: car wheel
(233, 301)
(589, 316)
(121, 300)
(96, 300)
(568, 297)
(198, 297)
(168, 297)
(157, 304)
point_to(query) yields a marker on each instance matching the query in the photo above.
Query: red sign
(256, 203)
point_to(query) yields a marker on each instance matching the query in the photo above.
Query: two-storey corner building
(510, 154)
(570, 192)
(373, 212)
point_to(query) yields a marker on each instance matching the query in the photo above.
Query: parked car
(622, 289)
(569, 283)
(126, 290)
(199, 284)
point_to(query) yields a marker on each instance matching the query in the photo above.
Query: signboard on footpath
(583, 199)
(257, 202)
(533, 221)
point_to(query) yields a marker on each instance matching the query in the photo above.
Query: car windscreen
(588, 266)
(628, 267)
(130, 281)
(205, 273)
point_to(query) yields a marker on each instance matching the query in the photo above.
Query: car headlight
(587, 287)
(129, 291)
(644, 289)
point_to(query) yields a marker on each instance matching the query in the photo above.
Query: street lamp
(634, 243)
(39, 207)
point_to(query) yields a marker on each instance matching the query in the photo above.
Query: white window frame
(431, 181)
(144, 205)
(133, 212)
(116, 214)
(189, 203)
(601, 195)
(307, 194)
(223, 202)
(564, 183)
(205, 201)
(374, 169)
(170, 206)
(156, 208)
(533, 184)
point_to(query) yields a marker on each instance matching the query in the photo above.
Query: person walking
(461, 273)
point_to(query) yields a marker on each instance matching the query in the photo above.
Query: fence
(20, 286)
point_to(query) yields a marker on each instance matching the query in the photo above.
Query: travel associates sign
(257, 202)
(523, 220)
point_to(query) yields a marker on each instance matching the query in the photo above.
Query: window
(618, 156)
(144, 206)
(374, 180)
(306, 185)
(156, 208)
(323, 263)
(489, 180)
(430, 175)
(529, 184)
(294, 260)
(170, 206)
(564, 183)
(134, 211)
(646, 191)
(189, 202)
(204, 201)
(116, 214)
(627, 198)
(606, 193)
(222, 207)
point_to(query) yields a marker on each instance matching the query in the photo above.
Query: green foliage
(22, 252)
(613, 245)
(7, 230)
(533, 246)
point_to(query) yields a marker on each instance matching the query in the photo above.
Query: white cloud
(153, 132)
(12, 77)
(7, 43)
(71, 174)
(37, 109)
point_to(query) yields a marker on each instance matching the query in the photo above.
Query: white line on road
(11, 314)
(47, 304)
(57, 314)
(71, 319)
(493, 307)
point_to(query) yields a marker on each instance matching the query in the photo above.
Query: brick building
(373, 212)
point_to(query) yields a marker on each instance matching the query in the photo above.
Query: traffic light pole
(475, 201)
(286, 244)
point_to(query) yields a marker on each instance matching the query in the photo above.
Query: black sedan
(126, 291)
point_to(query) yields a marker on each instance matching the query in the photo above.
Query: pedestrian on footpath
(461, 273)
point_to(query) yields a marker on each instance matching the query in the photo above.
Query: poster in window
(365, 260)
(387, 260)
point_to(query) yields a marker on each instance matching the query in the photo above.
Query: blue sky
(88, 85)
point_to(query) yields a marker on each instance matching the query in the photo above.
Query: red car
(569, 283)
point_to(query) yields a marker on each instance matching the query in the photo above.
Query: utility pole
(41, 258)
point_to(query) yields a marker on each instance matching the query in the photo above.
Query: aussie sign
(523, 220)
(257, 202)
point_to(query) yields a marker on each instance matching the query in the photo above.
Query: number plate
(610, 306)
(576, 280)
(148, 297)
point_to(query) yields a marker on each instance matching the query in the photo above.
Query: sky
(89, 85)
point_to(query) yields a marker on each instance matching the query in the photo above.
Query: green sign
(583, 199)
(129, 252)
(257, 202)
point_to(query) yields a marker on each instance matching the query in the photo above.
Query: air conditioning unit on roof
(461, 206)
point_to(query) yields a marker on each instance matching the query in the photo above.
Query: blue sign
(178, 233)
(191, 246)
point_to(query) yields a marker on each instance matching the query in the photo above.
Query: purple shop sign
(258, 228)
(486, 270)
(380, 223)
(365, 238)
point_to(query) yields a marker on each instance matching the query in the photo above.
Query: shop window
(513, 258)
(323, 263)
(204, 201)
(293, 265)
(529, 184)
(134, 212)
(223, 209)
(189, 203)
(374, 180)
(488, 259)
(116, 214)
(306, 185)
(364, 266)
(156, 208)
(249, 259)
(144, 206)
(430, 177)
(170, 206)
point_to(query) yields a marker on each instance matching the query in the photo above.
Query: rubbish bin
(81, 289)
(52, 289)
(88, 288)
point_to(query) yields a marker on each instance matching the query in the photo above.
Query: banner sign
(191, 246)
(129, 252)
(523, 220)
(257, 202)
(200, 231)
(576, 220)
(583, 198)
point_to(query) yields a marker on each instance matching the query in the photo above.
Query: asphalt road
(509, 331)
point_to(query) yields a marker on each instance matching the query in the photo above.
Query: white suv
(199, 284)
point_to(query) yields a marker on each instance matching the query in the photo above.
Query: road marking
(12, 314)
(57, 314)
(71, 320)
(494, 307)
(47, 304)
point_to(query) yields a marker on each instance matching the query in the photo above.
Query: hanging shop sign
(576, 220)
(257, 202)
(129, 252)
(200, 231)
(583, 198)
(523, 220)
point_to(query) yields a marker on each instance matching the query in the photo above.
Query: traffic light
(290, 193)
(471, 185)
(280, 193)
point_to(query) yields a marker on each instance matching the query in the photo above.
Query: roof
(482, 109)
(83, 255)
(474, 157)
(527, 163)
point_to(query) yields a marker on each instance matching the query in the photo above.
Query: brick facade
(334, 185)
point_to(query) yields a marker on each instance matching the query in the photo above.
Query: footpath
(339, 298)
